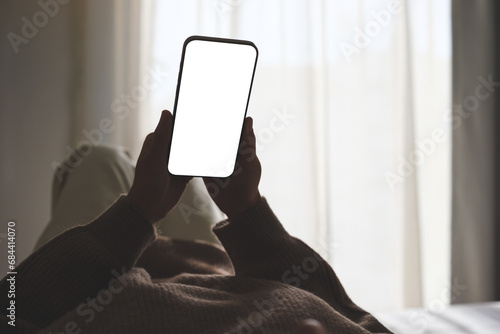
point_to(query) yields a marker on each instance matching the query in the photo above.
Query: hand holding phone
(213, 91)
(155, 191)
(239, 192)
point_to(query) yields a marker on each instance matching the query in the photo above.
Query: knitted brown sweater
(114, 275)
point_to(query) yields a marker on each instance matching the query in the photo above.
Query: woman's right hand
(310, 326)
(239, 192)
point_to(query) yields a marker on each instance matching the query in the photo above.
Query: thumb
(146, 147)
(163, 133)
(310, 326)
(251, 134)
(248, 142)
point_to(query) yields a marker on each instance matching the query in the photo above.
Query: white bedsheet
(481, 318)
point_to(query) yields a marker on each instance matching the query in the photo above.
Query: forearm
(78, 263)
(260, 247)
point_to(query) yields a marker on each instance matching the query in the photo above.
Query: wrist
(140, 207)
(244, 207)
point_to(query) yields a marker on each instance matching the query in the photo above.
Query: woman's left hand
(155, 191)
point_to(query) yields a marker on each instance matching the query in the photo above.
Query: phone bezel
(179, 80)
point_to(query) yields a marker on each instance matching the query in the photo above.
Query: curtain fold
(412, 276)
(476, 137)
(111, 94)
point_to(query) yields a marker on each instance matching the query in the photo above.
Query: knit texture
(114, 275)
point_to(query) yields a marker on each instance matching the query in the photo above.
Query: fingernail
(165, 115)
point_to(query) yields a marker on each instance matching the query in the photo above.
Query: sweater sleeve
(260, 247)
(78, 263)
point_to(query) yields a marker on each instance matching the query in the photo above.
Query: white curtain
(351, 105)
(114, 80)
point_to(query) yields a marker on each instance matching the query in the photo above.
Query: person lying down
(116, 274)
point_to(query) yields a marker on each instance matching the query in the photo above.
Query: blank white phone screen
(211, 106)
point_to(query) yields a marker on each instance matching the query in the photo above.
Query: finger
(251, 134)
(248, 144)
(246, 132)
(310, 326)
(163, 133)
(247, 126)
(211, 186)
(180, 180)
(146, 146)
(160, 128)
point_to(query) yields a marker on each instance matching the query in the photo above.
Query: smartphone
(213, 92)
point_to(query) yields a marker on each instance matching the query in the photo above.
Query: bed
(481, 318)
